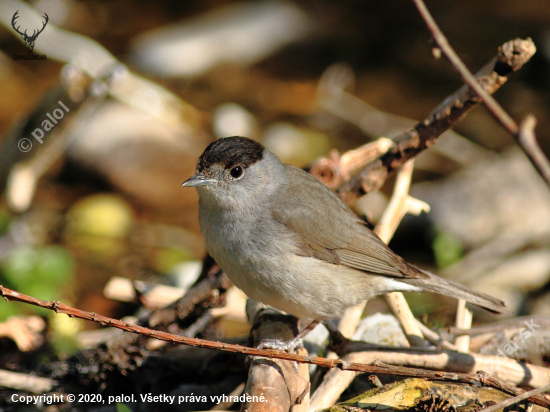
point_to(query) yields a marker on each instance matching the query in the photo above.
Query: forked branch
(529, 146)
(510, 58)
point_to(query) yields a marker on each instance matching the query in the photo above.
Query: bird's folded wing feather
(335, 234)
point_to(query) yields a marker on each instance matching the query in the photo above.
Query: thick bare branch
(511, 57)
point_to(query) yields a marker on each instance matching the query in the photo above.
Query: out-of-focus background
(97, 202)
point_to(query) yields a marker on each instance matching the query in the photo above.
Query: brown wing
(325, 228)
(343, 239)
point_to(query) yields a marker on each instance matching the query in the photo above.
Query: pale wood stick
(25, 331)
(401, 310)
(463, 321)
(334, 169)
(333, 385)
(400, 204)
(24, 382)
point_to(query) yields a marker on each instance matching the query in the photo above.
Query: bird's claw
(277, 344)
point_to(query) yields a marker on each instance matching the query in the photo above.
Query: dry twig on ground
(516, 399)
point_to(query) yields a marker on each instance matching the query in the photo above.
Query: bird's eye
(236, 172)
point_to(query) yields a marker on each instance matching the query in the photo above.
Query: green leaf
(40, 272)
(48, 267)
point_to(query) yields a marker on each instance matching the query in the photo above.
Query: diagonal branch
(510, 58)
(516, 399)
(533, 152)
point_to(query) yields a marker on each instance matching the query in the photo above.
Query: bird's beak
(198, 180)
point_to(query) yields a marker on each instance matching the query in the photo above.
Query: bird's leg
(290, 345)
(294, 342)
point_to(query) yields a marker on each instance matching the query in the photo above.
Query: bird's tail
(446, 287)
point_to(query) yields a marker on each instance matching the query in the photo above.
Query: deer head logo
(28, 39)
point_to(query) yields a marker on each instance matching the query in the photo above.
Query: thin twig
(528, 142)
(533, 152)
(515, 399)
(502, 370)
(375, 367)
(344, 365)
(434, 338)
(211, 279)
(441, 41)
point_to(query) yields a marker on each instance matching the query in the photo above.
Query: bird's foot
(284, 346)
(277, 344)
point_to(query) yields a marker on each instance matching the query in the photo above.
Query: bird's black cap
(230, 152)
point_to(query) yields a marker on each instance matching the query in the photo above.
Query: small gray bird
(288, 241)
